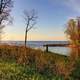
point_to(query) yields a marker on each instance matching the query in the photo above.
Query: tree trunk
(26, 33)
(26, 38)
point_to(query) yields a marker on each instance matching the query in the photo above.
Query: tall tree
(30, 20)
(73, 31)
(5, 9)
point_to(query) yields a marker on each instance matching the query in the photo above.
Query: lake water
(39, 45)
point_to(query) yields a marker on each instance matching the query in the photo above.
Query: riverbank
(18, 62)
(39, 45)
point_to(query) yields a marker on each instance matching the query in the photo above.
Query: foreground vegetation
(20, 63)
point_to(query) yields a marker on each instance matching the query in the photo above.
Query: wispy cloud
(73, 4)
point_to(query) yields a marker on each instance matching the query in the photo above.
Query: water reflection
(60, 50)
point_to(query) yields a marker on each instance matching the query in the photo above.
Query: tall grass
(33, 64)
(36, 61)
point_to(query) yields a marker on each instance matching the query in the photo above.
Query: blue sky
(52, 17)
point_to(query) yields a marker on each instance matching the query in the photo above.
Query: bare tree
(30, 20)
(5, 9)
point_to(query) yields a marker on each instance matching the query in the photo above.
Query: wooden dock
(55, 45)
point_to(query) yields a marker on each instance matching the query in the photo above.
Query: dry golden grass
(42, 62)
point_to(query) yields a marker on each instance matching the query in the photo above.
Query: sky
(53, 16)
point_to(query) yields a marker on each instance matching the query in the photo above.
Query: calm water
(39, 45)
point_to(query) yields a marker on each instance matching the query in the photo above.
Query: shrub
(76, 72)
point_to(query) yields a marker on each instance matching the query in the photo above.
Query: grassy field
(20, 63)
